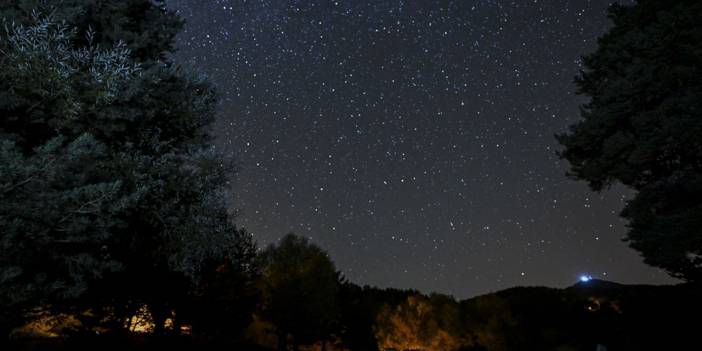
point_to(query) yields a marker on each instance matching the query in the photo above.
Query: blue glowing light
(585, 278)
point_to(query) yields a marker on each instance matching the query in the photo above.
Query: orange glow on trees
(421, 323)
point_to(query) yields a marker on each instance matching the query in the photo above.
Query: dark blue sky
(413, 140)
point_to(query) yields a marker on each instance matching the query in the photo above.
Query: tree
(422, 323)
(359, 308)
(58, 207)
(642, 128)
(492, 323)
(300, 289)
(110, 176)
(223, 304)
(147, 28)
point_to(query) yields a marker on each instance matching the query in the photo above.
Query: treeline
(116, 231)
(296, 299)
(581, 317)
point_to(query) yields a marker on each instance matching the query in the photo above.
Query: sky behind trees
(413, 140)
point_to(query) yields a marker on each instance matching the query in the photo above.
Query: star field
(413, 140)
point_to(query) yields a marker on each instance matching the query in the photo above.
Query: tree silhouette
(223, 304)
(642, 128)
(300, 289)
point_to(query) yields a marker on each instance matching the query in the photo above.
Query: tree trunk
(130, 320)
(176, 324)
(159, 315)
(159, 323)
(123, 319)
(282, 341)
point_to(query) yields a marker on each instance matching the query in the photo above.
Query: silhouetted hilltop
(618, 316)
(600, 284)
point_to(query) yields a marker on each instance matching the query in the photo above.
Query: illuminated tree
(421, 323)
(359, 309)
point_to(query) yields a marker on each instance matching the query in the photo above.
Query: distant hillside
(585, 316)
(617, 316)
(577, 318)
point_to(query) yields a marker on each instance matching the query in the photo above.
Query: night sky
(413, 140)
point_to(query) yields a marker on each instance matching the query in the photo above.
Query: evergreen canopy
(643, 128)
(109, 185)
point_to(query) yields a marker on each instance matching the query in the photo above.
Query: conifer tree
(109, 175)
(642, 128)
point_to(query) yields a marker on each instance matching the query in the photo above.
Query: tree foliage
(359, 308)
(300, 290)
(110, 188)
(147, 28)
(642, 127)
(227, 296)
(422, 323)
(59, 207)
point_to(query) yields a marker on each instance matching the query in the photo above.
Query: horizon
(414, 142)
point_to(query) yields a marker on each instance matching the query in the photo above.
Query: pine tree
(111, 140)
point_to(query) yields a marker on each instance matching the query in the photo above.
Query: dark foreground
(581, 317)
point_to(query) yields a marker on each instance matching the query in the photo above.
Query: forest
(117, 230)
